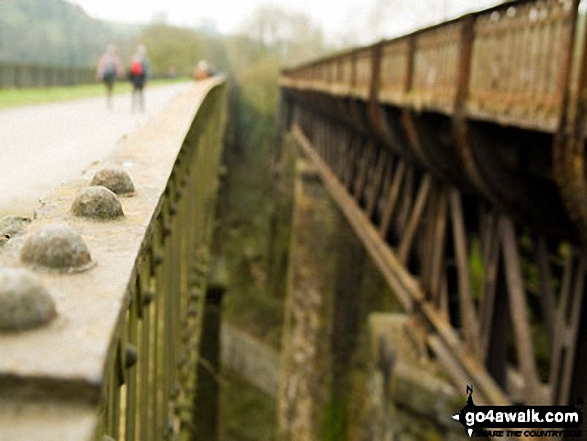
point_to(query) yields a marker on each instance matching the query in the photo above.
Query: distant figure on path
(139, 73)
(109, 69)
(202, 71)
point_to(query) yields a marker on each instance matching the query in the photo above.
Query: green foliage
(245, 412)
(477, 269)
(291, 36)
(260, 89)
(335, 425)
(171, 47)
(56, 32)
(246, 205)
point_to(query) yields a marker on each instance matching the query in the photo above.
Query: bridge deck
(45, 144)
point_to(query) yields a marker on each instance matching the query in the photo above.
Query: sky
(338, 18)
(228, 15)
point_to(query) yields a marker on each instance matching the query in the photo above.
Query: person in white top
(109, 69)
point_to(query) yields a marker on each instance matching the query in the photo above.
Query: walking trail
(42, 145)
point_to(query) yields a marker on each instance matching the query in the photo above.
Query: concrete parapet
(118, 358)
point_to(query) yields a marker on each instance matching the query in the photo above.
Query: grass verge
(41, 95)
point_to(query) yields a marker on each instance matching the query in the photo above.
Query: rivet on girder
(167, 229)
(97, 202)
(147, 298)
(131, 355)
(57, 247)
(114, 179)
(157, 258)
(24, 302)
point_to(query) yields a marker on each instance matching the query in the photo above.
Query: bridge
(459, 142)
(456, 157)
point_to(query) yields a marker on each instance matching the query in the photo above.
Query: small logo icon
(469, 407)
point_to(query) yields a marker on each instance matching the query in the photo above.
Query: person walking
(202, 71)
(109, 69)
(139, 73)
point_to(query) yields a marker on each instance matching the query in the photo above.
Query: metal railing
(520, 64)
(17, 75)
(510, 64)
(120, 359)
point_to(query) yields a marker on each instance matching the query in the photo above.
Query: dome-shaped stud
(114, 179)
(24, 302)
(57, 247)
(97, 202)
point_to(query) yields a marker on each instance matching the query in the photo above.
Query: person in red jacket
(138, 75)
(202, 71)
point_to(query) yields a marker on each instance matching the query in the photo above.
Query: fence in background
(17, 75)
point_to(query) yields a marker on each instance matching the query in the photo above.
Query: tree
(171, 47)
(290, 36)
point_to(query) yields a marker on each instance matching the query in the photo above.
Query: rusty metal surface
(89, 303)
(518, 68)
(395, 71)
(518, 65)
(404, 285)
(81, 354)
(426, 237)
(436, 53)
(466, 151)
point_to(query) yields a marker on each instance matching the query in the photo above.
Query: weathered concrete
(12, 225)
(410, 396)
(67, 357)
(305, 358)
(51, 420)
(251, 359)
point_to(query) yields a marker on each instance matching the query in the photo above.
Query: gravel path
(43, 145)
